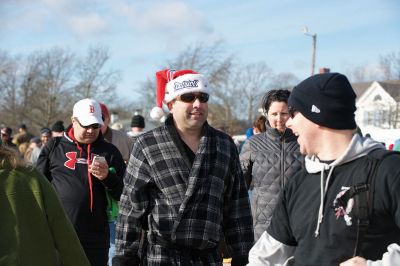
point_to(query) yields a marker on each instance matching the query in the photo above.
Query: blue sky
(141, 35)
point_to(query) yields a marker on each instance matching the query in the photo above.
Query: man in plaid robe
(184, 190)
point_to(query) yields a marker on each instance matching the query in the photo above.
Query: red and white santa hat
(170, 84)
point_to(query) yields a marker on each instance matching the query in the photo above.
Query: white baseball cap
(88, 112)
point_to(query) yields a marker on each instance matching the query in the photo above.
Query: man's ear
(72, 119)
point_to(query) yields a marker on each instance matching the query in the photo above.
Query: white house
(378, 109)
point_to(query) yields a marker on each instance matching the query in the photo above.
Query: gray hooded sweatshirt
(304, 229)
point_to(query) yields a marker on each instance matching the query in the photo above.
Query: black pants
(97, 256)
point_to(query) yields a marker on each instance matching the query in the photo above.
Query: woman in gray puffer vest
(269, 159)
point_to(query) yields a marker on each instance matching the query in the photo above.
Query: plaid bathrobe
(186, 209)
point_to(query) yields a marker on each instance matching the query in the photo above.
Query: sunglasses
(92, 126)
(191, 97)
(292, 112)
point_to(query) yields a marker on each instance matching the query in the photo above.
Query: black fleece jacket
(65, 163)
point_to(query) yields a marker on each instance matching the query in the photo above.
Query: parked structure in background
(378, 104)
(378, 109)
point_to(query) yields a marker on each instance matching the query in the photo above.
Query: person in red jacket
(82, 185)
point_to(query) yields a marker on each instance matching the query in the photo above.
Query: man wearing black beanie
(137, 126)
(57, 129)
(343, 207)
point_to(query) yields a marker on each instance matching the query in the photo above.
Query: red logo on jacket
(72, 160)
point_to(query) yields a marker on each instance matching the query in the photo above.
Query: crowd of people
(305, 189)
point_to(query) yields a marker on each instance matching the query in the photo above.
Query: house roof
(390, 86)
(360, 87)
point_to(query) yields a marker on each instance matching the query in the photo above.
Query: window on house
(377, 118)
(377, 98)
(369, 118)
(381, 118)
(385, 118)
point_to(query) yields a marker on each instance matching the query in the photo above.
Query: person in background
(34, 147)
(343, 208)
(117, 126)
(45, 135)
(395, 146)
(118, 138)
(24, 151)
(82, 184)
(137, 126)
(34, 228)
(249, 132)
(270, 159)
(6, 139)
(57, 129)
(23, 136)
(259, 125)
(124, 144)
(183, 186)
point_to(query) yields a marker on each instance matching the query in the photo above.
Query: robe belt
(186, 253)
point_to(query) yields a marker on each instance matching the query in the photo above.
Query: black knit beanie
(137, 121)
(326, 99)
(58, 126)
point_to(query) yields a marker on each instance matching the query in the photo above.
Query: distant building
(378, 109)
(378, 104)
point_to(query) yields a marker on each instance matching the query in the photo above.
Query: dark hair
(45, 130)
(260, 123)
(274, 96)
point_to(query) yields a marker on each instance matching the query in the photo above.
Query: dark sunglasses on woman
(192, 96)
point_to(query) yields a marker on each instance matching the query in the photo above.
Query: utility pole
(314, 47)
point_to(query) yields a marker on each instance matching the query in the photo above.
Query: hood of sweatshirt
(357, 148)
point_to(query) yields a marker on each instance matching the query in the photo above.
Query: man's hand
(99, 169)
(356, 261)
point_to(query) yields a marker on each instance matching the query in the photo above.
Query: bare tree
(8, 87)
(42, 87)
(358, 74)
(390, 65)
(50, 78)
(251, 83)
(94, 80)
(36, 88)
(284, 81)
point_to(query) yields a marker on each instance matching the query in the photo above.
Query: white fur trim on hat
(157, 113)
(185, 84)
